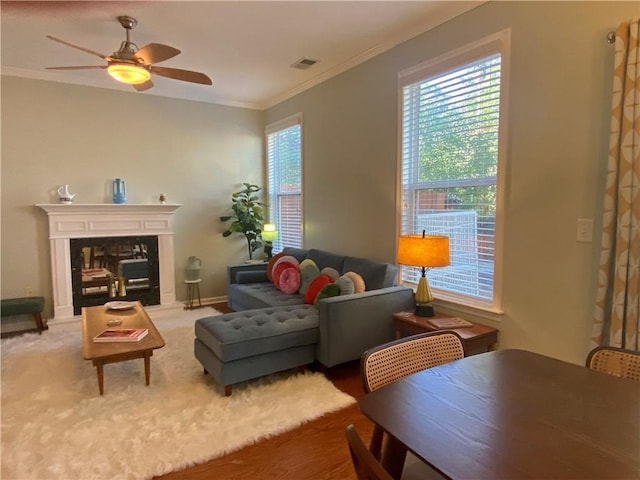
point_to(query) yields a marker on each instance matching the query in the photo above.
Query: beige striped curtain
(616, 321)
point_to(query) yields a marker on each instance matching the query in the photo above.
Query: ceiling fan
(134, 66)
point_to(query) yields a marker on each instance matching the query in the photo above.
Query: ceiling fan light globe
(127, 73)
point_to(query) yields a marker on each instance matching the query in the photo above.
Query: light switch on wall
(585, 230)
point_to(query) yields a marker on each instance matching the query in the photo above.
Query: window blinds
(449, 136)
(284, 172)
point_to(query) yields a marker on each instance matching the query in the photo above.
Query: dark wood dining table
(511, 414)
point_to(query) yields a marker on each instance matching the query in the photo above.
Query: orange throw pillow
(358, 281)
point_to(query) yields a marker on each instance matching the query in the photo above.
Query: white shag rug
(55, 424)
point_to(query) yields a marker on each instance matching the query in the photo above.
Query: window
(452, 149)
(284, 182)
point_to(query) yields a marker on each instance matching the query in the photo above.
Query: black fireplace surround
(114, 268)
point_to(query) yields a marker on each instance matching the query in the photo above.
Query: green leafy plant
(247, 216)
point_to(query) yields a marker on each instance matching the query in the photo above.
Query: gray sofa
(347, 325)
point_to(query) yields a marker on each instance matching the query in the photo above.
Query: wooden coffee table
(94, 321)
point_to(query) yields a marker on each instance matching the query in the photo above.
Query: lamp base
(425, 311)
(268, 250)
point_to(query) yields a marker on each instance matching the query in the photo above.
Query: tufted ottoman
(243, 345)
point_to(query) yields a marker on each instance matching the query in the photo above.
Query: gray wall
(198, 154)
(558, 125)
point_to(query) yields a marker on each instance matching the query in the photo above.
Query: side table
(193, 290)
(476, 338)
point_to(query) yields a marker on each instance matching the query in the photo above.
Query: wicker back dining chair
(364, 463)
(392, 361)
(615, 361)
(395, 360)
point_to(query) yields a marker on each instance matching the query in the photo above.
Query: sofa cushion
(289, 280)
(299, 253)
(314, 289)
(254, 332)
(326, 259)
(373, 273)
(252, 276)
(359, 285)
(250, 296)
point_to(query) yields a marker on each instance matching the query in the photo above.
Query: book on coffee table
(121, 335)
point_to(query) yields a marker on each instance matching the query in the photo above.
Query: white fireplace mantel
(107, 220)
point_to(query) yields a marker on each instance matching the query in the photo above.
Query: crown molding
(453, 9)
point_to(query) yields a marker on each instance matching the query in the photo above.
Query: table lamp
(424, 251)
(269, 234)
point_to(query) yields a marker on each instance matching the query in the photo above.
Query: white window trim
(501, 42)
(290, 121)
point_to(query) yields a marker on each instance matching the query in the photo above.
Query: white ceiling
(245, 47)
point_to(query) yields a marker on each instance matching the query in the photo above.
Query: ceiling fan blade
(184, 75)
(79, 67)
(156, 52)
(92, 52)
(141, 87)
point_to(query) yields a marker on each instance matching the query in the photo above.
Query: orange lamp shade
(423, 251)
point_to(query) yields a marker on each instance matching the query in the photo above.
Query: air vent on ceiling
(304, 63)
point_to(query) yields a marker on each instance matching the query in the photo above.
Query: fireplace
(114, 268)
(145, 227)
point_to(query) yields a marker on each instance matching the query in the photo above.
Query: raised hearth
(107, 220)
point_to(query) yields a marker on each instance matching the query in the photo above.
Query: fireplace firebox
(114, 268)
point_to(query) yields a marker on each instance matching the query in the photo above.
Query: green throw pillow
(329, 290)
(307, 274)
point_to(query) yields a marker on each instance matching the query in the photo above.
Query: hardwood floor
(315, 451)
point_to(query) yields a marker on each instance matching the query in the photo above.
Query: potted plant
(247, 216)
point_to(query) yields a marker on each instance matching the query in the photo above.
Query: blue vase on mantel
(119, 190)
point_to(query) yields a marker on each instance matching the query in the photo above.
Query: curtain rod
(611, 37)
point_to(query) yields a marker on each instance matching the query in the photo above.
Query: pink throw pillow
(277, 272)
(290, 280)
(282, 259)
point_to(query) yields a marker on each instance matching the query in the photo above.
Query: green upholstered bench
(24, 306)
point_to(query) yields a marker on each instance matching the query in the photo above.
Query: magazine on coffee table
(121, 335)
